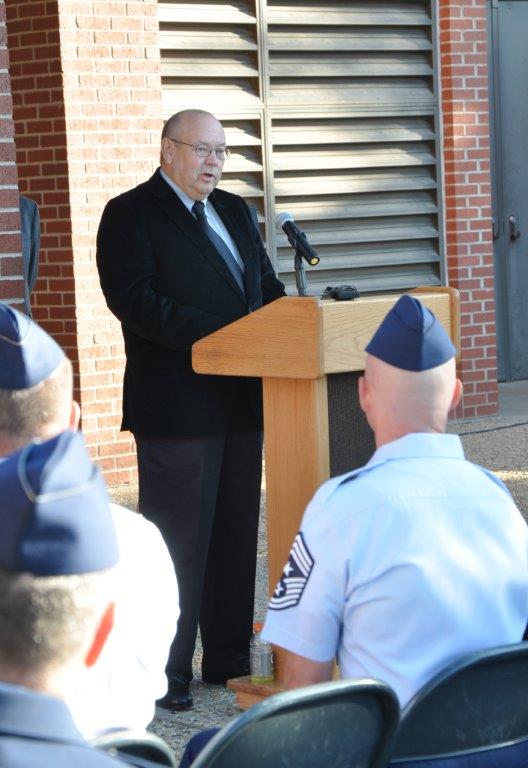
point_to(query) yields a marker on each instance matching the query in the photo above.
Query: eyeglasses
(203, 150)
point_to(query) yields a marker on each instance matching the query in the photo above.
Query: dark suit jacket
(37, 731)
(169, 287)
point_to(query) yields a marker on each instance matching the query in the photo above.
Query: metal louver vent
(331, 110)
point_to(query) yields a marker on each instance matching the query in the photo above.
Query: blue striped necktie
(232, 264)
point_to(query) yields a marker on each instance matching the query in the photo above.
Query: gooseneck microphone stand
(300, 274)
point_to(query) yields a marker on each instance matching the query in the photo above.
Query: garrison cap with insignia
(411, 338)
(294, 577)
(55, 516)
(28, 355)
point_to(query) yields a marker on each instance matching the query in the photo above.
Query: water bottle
(260, 657)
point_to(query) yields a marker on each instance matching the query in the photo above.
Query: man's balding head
(398, 402)
(195, 175)
(410, 382)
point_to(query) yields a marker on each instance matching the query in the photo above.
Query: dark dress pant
(204, 496)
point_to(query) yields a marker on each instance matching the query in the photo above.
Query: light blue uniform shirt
(401, 566)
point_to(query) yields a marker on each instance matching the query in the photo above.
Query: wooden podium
(309, 354)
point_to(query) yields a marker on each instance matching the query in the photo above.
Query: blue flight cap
(411, 338)
(28, 355)
(55, 514)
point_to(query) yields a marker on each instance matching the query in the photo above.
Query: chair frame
(418, 715)
(303, 698)
(136, 748)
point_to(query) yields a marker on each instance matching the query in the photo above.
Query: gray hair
(45, 620)
(25, 413)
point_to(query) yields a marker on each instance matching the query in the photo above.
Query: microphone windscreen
(282, 218)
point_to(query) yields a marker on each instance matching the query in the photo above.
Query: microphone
(297, 238)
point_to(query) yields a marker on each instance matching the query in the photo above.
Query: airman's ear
(363, 393)
(75, 416)
(457, 394)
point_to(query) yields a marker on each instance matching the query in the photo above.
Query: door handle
(514, 232)
(495, 229)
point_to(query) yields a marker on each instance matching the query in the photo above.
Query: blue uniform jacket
(38, 731)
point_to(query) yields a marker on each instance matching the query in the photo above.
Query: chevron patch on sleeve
(294, 577)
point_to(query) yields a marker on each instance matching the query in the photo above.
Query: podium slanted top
(302, 337)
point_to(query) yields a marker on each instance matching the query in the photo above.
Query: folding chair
(342, 724)
(473, 714)
(140, 749)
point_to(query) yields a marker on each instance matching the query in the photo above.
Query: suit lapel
(176, 211)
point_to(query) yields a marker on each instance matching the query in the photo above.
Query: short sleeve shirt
(401, 566)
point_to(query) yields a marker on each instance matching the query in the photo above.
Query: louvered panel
(348, 65)
(361, 256)
(245, 186)
(357, 95)
(359, 206)
(331, 233)
(242, 133)
(237, 95)
(243, 170)
(362, 156)
(221, 65)
(347, 39)
(205, 13)
(209, 55)
(345, 13)
(348, 131)
(386, 279)
(221, 39)
(347, 90)
(305, 185)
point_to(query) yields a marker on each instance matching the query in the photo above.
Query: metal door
(509, 111)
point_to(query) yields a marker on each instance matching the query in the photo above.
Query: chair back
(478, 703)
(342, 724)
(140, 749)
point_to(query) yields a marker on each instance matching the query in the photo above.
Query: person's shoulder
(484, 474)
(225, 196)
(229, 200)
(31, 751)
(332, 491)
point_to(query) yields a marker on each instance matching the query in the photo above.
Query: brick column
(11, 268)
(464, 94)
(87, 113)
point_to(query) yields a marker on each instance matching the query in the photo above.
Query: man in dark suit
(179, 259)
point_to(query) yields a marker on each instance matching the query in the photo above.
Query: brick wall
(87, 110)
(464, 89)
(11, 269)
(40, 138)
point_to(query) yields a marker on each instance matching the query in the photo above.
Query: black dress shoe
(178, 696)
(216, 676)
